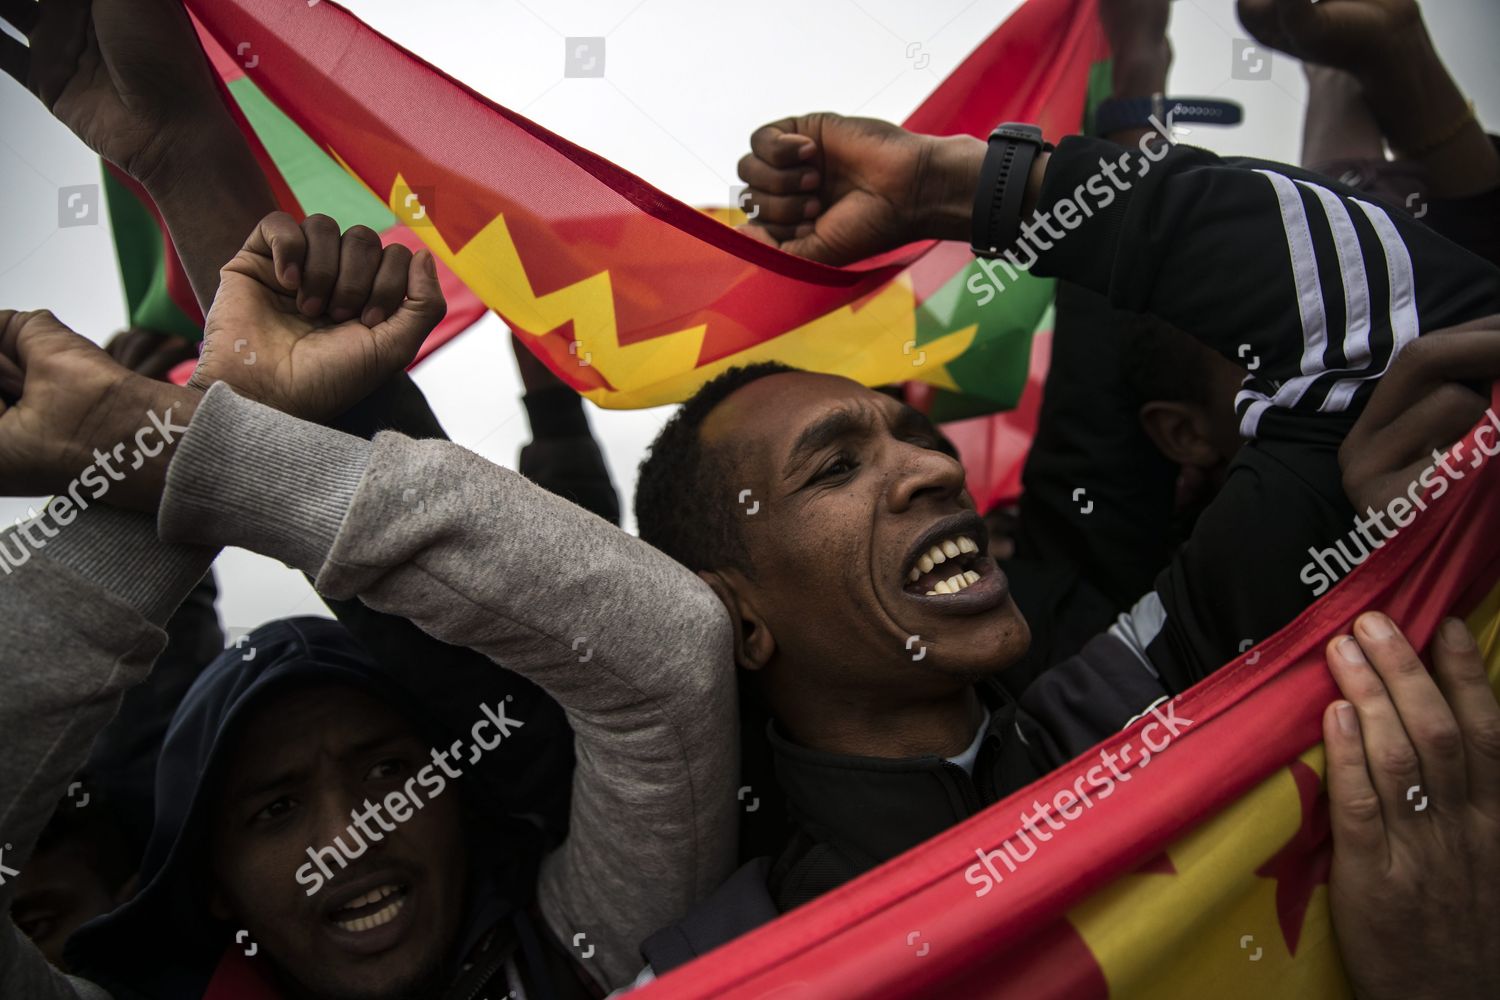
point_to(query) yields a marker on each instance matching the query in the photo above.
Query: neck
(941, 726)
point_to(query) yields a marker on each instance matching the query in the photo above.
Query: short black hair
(685, 494)
(1162, 363)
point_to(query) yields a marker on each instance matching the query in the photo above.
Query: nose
(923, 473)
(333, 807)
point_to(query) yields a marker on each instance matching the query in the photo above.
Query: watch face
(1018, 131)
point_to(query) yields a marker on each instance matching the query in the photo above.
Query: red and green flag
(304, 180)
(631, 297)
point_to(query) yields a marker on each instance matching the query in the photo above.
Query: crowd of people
(441, 794)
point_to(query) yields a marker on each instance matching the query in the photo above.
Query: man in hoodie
(295, 745)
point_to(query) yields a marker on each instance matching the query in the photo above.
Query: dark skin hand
(1385, 45)
(1419, 407)
(1412, 892)
(148, 352)
(838, 190)
(129, 78)
(62, 397)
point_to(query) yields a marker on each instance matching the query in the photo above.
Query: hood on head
(163, 944)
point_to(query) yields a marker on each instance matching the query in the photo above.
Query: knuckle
(1484, 737)
(320, 225)
(1361, 808)
(362, 236)
(1367, 690)
(1404, 664)
(1441, 739)
(1397, 760)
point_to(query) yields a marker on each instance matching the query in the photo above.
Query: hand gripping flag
(633, 298)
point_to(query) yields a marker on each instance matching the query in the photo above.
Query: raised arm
(1335, 287)
(633, 646)
(129, 78)
(84, 593)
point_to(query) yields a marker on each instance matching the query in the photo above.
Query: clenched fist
(310, 322)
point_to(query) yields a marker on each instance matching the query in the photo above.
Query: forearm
(633, 646)
(1426, 119)
(211, 193)
(80, 623)
(1170, 233)
(1338, 124)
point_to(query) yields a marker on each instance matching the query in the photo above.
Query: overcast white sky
(685, 82)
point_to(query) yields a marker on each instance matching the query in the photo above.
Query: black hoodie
(163, 945)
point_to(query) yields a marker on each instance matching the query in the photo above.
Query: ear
(1181, 432)
(754, 645)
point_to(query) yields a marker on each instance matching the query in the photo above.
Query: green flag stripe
(143, 264)
(316, 178)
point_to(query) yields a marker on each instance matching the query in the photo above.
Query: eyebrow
(254, 787)
(821, 433)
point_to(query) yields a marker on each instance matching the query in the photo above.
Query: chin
(414, 980)
(987, 644)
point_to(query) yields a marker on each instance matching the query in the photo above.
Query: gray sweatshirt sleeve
(635, 647)
(80, 622)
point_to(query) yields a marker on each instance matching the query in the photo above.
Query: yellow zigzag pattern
(873, 345)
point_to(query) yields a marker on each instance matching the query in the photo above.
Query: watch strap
(1120, 113)
(1013, 147)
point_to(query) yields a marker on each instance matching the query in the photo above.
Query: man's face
(61, 889)
(385, 925)
(858, 499)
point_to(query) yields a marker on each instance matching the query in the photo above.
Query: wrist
(946, 188)
(1410, 91)
(191, 147)
(143, 421)
(1141, 70)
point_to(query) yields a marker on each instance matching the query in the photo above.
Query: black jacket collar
(871, 809)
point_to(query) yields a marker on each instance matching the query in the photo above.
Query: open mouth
(375, 908)
(949, 565)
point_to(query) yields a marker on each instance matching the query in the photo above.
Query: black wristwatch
(1013, 148)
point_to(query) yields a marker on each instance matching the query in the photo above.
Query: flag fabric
(1204, 870)
(630, 296)
(304, 180)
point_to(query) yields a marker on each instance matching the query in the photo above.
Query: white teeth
(949, 548)
(932, 593)
(943, 588)
(380, 917)
(373, 896)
